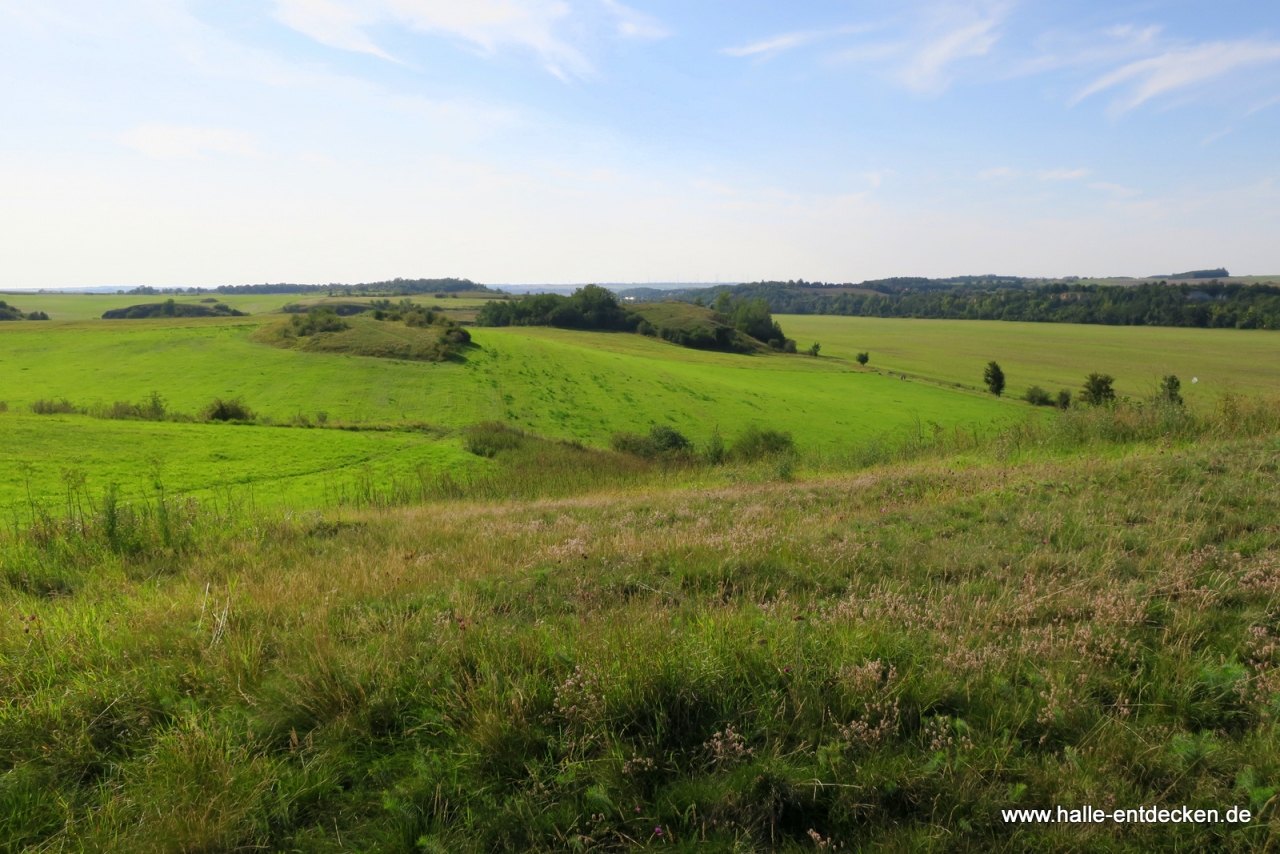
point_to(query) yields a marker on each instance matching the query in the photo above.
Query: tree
(863, 358)
(994, 378)
(1064, 398)
(1170, 390)
(1097, 390)
(813, 351)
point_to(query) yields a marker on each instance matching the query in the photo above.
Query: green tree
(1098, 390)
(813, 351)
(994, 378)
(1170, 390)
(863, 358)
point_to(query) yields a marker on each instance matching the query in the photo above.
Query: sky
(180, 143)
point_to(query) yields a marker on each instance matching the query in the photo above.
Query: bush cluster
(12, 312)
(589, 307)
(317, 320)
(665, 442)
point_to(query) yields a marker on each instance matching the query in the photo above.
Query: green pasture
(1052, 355)
(560, 383)
(270, 466)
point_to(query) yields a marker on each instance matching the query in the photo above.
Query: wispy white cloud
(1063, 174)
(928, 70)
(1270, 102)
(998, 173)
(774, 45)
(1179, 68)
(921, 51)
(1074, 50)
(175, 142)
(486, 25)
(633, 24)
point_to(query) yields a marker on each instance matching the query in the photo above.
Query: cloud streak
(488, 26)
(769, 47)
(1179, 68)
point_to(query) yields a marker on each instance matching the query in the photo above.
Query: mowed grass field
(1053, 355)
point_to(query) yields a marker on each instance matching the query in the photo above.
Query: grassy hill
(559, 383)
(882, 661)
(690, 325)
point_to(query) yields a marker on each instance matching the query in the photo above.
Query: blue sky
(207, 142)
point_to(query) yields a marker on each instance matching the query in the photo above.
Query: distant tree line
(1210, 304)
(590, 307)
(392, 287)
(594, 307)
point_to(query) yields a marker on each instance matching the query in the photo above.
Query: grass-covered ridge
(207, 307)
(694, 326)
(882, 660)
(405, 331)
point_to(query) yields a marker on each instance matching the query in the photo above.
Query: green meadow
(372, 619)
(1053, 355)
(580, 386)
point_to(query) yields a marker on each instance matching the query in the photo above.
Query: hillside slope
(875, 662)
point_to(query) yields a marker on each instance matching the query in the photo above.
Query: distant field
(1053, 355)
(91, 306)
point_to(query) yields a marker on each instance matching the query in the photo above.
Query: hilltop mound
(694, 326)
(169, 308)
(415, 335)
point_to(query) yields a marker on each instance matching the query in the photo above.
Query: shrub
(489, 438)
(634, 444)
(814, 350)
(55, 407)
(1064, 399)
(668, 439)
(227, 410)
(755, 443)
(661, 441)
(715, 452)
(863, 358)
(1170, 391)
(1098, 390)
(994, 378)
(323, 319)
(1037, 396)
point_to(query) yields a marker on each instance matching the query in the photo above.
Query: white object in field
(1195, 380)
